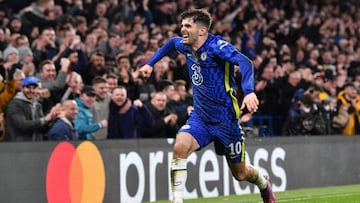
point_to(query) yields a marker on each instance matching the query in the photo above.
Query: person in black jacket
(125, 117)
(164, 124)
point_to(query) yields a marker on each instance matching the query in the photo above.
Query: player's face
(189, 31)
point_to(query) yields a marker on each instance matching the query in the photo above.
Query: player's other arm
(229, 53)
(167, 48)
(250, 100)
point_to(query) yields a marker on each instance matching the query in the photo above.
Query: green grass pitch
(334, 194)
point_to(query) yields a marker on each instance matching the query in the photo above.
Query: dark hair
(111, 75)
(80, 20)
(98, 79)
(307, 99)
(97, 53)
(198, 16)
(122, 57)
(163, 84)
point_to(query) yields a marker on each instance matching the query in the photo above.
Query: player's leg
(192, 136)
(230, 142)
(184, 145)
(244, 172)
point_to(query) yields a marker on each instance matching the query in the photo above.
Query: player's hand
(251, 102)
(145, 71)
(245, 118)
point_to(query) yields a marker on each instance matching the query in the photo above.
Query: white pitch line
(318, 196)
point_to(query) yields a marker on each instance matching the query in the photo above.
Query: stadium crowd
(69, 69)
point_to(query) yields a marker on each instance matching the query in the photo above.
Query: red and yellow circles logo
(75, 175)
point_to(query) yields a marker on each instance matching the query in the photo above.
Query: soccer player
(215, 117)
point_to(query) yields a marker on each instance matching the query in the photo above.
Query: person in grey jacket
(25, 120)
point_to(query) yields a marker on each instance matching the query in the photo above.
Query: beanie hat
(9, 50)
(23, 52)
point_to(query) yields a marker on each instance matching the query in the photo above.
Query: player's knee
(240, 176)
(185, 144)
(180, 150)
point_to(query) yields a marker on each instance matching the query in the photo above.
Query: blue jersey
(211, 70)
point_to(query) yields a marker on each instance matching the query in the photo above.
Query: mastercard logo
(75, 175)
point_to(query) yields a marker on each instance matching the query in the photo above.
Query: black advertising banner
(131, 171)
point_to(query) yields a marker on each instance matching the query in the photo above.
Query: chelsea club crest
(203, 56)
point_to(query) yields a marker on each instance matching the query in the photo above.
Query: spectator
(267, 91)
(15, 25)
(54, 82)
(159, 73)
(22, 41)
(81, 27)
(84, 120)
(164, 123)
(10, 63)
(173, 100)
(73, 87)
(125, 118)
(8, 90)
(26, 59)
(91, 41)
(41, 14)
(329, 112)
(288, 86)
(45, 46)
(95, 68)
(64, 128)
(99, 10)
(112, 82)
(180, 70)
(25, 55)
(11, 54)
(110, 49)
(183, 101)
(320, 38)
(100, 108)
(3, 38)
(127, 77)
(306, 120)
(72, 48)
(25, 120)
(350, 100)
(19, 76)
(35, 15)
(167, 87)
